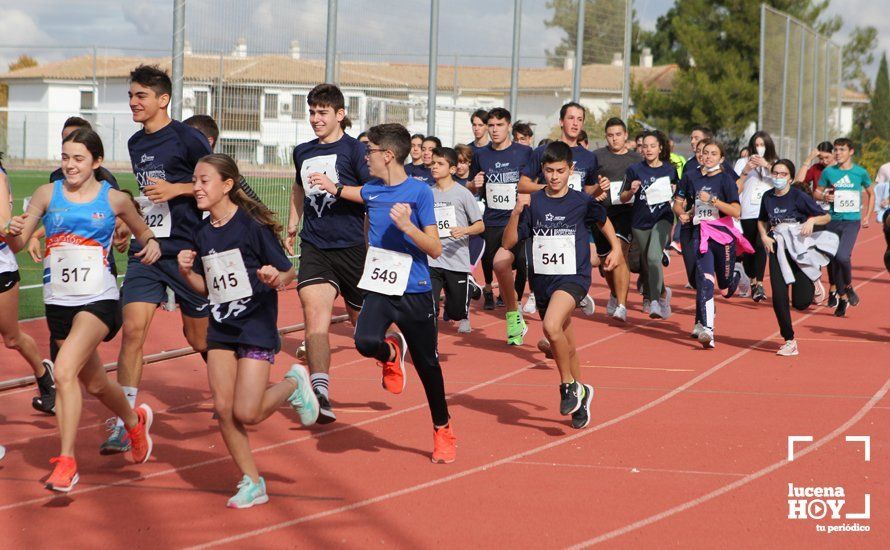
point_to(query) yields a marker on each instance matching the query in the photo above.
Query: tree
(880, 103)
(858, 53)
(603, 30)
(23, 62)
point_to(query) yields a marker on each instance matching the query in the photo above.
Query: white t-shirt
(757, 183)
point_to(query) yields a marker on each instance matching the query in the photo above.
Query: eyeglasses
(370, 151)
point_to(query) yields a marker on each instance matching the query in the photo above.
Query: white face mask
(761, 150)
(712, 168)
(780, 183)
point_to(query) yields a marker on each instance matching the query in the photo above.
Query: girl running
(707, 203)
(81, 294)
(652, 185)
(13, 338)
(790, 208)
(753, 182)
(240, 263)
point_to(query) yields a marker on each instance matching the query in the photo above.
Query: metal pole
(95, 85)
(433, 84)
(826, 130)
(625, 87)
(784, 88)
(761, 77)
(454, 85)
(178, 52)
(25, 139)
(813, 116)
(803, 48)
(514, 66)
(218, 115)
(579, 53)
(840, 76)
(330, 59)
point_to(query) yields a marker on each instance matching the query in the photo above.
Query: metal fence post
(803, 48)
(433, 68)
(625, 88)
(762, 66)
(784, 86)
(178, 52)
(816, 50)
(827, 129)
(25, 138)
(331, 43)
(514, 66)
(454, 85)
(579, 53)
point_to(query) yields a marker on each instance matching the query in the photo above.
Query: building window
(86, 100)
(270, 154)
(201, 103)
(271, 105)
(239, 108)
(298, 107)
(352, 108)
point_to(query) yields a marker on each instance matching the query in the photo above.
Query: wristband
(339, 191)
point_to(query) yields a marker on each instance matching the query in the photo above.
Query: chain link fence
(800, 85)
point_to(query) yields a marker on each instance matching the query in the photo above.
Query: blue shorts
(148, 283)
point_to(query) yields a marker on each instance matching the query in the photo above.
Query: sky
(478, 31)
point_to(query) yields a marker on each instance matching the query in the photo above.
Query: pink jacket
(713, 230)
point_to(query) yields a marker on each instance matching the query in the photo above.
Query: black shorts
(8, 280)
(622, 222)
(60, 319)
(340, 267)
(576, 291)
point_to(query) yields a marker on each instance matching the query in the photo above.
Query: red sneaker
(444, 445)
(394, 371)
(64, 476)
(140, 438)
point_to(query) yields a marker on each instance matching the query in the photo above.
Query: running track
(686, 447)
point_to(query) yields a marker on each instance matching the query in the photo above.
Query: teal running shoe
(249, 494)
(118, 440)
(303, 399)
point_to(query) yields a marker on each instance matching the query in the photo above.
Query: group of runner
(388, 222)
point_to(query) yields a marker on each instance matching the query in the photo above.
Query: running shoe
(620, 313)
(675, 245)
(646, 306)
(664, 303)
(581, 417)
(530, 308)
(832, 298)
(475, 289)
(444, 445)
(734, 285)
(64, 476)
(611, 305)
(696, 330)
(788, 349)
(301, 351)
(852, 297)
(325, 412)
(118, 441)
(140, 436)
(544, 347)
(463, 327)
(655, 311)
(588, 306)
(489, 300)
(516, 328)
(303, 399)
(706, 338)
(394, 371)
(841, 310)
(570, 397)
(499, 302)
(46, 386)
(2, 452)
(758, 295)
(665, 258)
(249, 494)
(818, 292)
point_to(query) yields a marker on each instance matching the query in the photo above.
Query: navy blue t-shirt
(250, 321)
(328, 222)
(101, 174)
(383, 233)
(584, 165)
(420, 172)
(793, 206)
(645, 215)
(574, 214)
(170, 154)
(722, 185)
(503, 166)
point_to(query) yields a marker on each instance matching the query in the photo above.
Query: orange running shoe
(140, 436)
(394, 371)
(444, 445)
(64, 476)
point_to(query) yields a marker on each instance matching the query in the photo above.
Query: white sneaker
(706, 338)
(788, 349)
(530, 308)
(655, 311)
(588, 306)
(818, 292)
(463, 327)
(664, 303)
(620, 313)
(696, 330)
(170, 303)
(610, 307)
(646, 306)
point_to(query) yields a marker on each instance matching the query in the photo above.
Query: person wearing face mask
(753, 182)
(786, 206)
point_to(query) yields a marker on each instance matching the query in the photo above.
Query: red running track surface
(686, 447)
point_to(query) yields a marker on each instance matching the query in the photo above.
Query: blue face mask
(780, 183)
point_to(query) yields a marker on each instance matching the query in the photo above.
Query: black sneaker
(46, 386)
(665, 260)
(581, 417)
(841, 310)
(325, 413)
(499, 302)
(758, 295)
(570, 397)
(832, 298)
(489, 300)
(734, 285)
(852, 297)
(475, 289)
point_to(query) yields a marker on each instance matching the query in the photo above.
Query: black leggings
(457, 292)
(414, 314)
(754, 264)
(802, 290)
(493, 237)
(847, 231)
